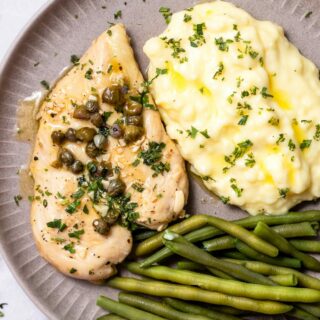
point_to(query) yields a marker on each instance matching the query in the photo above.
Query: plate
(43, 49)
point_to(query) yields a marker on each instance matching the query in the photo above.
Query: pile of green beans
(232, 268)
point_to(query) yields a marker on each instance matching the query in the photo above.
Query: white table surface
(14, 14)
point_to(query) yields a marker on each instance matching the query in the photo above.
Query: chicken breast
(142, 180)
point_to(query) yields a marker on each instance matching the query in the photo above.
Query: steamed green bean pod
(163, 289)
(229, 287)
(313, 309)
(124, 310)
(287, 280)
(198, 220)
(268, 234)
(255, 255)
(304, 280)
(158, 308)
(110, 317)
(312, 246)
(294, 230)
(298, 313)
(186, 249)
(192, 308)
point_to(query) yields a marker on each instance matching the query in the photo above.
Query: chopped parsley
(192, 132)
(265, 94)
(70, 247)
(317, 133)
(135, 163)
(152, 157)
(308, 15)
(73, 270)
(222, 44)
(177, 51)
(78, 194)
(198, 39)
(283, 192)
(76, 234)
(56, 224)
(72, 207)
(225, 200)
(85, 209)
(291, 145)
(17, 199)
(239, 151)
(187, 17)
(118, 14)
(219, 71)
(280, 139)
(305, 144)
(205, 133)
(45, 84)
(74, 59)
(243, 120)
(274, 121)
(138, 187)
(166, 13)
(106, 115)
(88, 74)
(235, 188)
(45, 203)
(250, 161)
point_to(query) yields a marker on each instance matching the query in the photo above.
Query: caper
(114, 95)
(57, 137)
(104, 169)
(132, 133)
(85, 134)
(77, 167)
(100, 141)
(92, 106)
(81, 112)
(116, 187)
(97, 120)
(66, 157)
(101, 226)
(132, 108)
(71, 135)
(116, 131)
(134, 120)
(112, 216)
(91, 150)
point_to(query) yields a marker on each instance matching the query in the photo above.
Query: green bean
(197, 221)
(123, 310)
(304, 280)
(269, 235)
(228, 310)
(295, 230)
(313, 309)
(163, 289)
(194, 236)
(190, 265)
(110, 317)
(191, 308)
(243, 234)
(157, 307)
(183, 227)
(301, 314)
(235, 255)
(229, 287)
(220, 273)
(184, 248)
(303, 229)
(287, 280)
(144, 235)
(255, 255)
(312, 246)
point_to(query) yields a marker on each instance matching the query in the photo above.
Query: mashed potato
(243, 105)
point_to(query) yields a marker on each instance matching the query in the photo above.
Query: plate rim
(4, 63)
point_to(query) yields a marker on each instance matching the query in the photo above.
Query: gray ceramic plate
(63, 28)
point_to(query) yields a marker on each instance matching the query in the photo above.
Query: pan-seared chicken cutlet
(102, 163)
